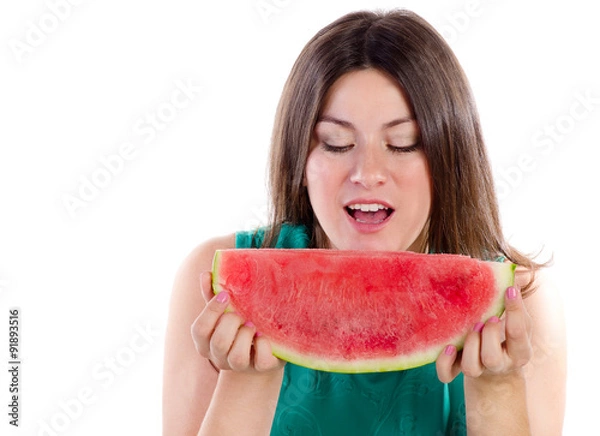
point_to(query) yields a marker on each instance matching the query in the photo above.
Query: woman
(376, 145)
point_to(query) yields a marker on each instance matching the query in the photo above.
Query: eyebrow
(348, 124)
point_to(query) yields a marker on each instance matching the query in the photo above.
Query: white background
(76, 81)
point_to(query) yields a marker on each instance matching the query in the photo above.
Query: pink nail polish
(494, 319)
(478, 327)
(222, 297)
(511, 293)
(249, 324)
(449, 350)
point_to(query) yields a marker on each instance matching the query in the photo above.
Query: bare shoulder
(200, 258)
(545, 307)
(186, 296)
(544, 300)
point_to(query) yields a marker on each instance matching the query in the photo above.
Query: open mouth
(372, 213)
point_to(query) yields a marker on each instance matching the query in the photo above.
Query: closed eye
(405, 149)
(336, 148)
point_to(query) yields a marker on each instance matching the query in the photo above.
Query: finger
(492, 353)
(223, 338)
(206, 286)
(447, 365)
(204, 325)
(263, 355)
(471, 354)
(240, 354)
(517, 328)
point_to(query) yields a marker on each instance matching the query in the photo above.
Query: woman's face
(367, 177)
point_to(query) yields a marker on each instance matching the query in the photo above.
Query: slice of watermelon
(360, 311)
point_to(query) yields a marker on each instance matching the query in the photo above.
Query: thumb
(447, 364)
(517, 327)
(206, 286)
(513, 299)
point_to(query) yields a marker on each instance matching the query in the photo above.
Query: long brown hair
(464, 216)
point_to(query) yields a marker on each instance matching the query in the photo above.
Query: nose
(370, 169)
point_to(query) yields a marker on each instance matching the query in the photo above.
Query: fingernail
(449, 350)
(494, 319)
(258, 334)
(511, 293)
(249, 324)
(478, 327)
(222, 297)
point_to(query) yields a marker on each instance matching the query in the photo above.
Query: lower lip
(368, 227)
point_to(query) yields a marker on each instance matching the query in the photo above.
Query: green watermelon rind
(504, 274)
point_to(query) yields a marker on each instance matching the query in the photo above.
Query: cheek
(318, 171)
(417, 180)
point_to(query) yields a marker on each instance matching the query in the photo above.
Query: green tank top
(317, 403)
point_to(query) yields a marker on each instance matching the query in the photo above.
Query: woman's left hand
(498, 347)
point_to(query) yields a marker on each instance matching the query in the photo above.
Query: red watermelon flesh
(360, 311)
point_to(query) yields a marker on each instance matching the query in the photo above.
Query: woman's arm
(242, 404)
(218, 377)
(188, 379)
(515, 368)
(546, 373)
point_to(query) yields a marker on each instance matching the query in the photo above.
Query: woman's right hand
(227, 340)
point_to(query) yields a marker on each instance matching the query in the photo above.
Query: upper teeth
(367, 207)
